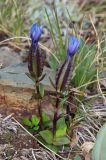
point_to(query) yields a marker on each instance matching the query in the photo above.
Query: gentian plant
(63, 77)
(53, 133)
(35, 58)
(36, 62)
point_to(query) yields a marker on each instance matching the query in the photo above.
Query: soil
(14, 142)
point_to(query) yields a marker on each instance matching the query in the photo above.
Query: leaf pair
(60, 137)
(33, 124)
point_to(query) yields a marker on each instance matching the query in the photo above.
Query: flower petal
(73, 46)
(35, 32)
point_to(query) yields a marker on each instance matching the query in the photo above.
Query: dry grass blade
(42, 154)
(28, 39)
(100, 79)
(8, 117)
(98, 54)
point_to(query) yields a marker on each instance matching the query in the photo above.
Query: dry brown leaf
(74, 141)
(87, 157)
(86, 148)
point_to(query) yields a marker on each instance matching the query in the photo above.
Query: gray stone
(8, 57)
(15, 76)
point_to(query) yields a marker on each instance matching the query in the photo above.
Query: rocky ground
(17, 144)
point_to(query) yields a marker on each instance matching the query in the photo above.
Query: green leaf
(27, 122)
(53, 63)
(41, 90)
(61, 132)
(45, 117)
(63, 101)
(47, 122)
(99, 149)
(77, 157)
(53, 148)
(31, 130)
(47, 135)
(36, 128)
(35, 120)
(52, 83)
(61, 123)
(61, 127)
(61, 141)
(29, 76)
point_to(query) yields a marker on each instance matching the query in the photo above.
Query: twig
(33, 154)
(8, 117)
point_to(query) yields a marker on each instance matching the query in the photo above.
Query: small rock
(8, 57)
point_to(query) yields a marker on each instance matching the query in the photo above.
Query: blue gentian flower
(63, 74)
(35, 58)
(73, 46)
(35, 33)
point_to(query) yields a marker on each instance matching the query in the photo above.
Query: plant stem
(40, 112)
(55, 115)
(39, 104)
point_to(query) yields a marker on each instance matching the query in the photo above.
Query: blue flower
(35, 58)
(73, 46)
(35, 33)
